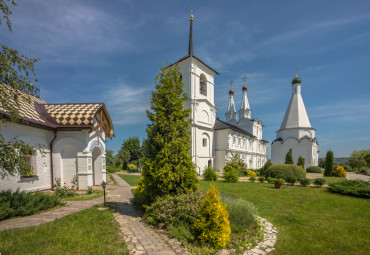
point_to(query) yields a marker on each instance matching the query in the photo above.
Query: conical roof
(296, 115)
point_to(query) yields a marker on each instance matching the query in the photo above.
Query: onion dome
(231, 91)
(296, 79)
(244, 88)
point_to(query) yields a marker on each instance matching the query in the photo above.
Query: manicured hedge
(358, 188)
(286, 171)
(313, 169)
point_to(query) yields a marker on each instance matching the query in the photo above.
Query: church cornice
(309, 128)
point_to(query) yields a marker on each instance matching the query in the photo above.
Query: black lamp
(104, 184)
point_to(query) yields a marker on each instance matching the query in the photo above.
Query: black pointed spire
(190, 53)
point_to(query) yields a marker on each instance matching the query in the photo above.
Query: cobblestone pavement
(34, 220)
(139, 237)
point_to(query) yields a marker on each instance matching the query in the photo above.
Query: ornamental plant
(279, 181)
(174, 210)
(340, 172)
(319, 182)
(251, 173)
(253, 178)
(329, 164)
(300, 162)
(261, 179)
(231, 172)
(168, 168)
(213, 227)
(210, 174)
(289, 158)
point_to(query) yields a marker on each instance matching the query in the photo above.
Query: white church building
(73, 136)
(214, 141)
(295, 133)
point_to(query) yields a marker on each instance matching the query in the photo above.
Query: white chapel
(295, 133)
(214, 141)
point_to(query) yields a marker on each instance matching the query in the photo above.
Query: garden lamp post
(104, 184)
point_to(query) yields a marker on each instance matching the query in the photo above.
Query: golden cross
(296, 72)
(231, 84)
(244, 79)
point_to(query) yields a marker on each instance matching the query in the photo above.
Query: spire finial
(231, 91)
(296, 72)
(190, 52)
(244, 79)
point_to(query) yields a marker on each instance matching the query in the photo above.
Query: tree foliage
(329, 164)
(17, 72)
(133, 147)
(359, 159)
(289, 158)
(168, 168)
(301, 162)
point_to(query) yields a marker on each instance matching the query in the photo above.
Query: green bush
(286, 170)
(363, 169)
(329, 164)
(313, 169)
(242, 213)
(252, 178)
(304, 182)
(231, 172)
(111, 169)
(339, 172)
(358, 188)
(279, 181)
(270, 180)
(210, 174)
(319, 182)
(131, 167)
(291, 180)
(181, 232)
(261, 179)
(173, 210)
(265, 167)
(348, 168)
(20, 203)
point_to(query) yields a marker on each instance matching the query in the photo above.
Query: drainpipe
(51, 159)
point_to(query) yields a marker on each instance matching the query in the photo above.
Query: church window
(204, 142)
(203, 85)
(233, 140)
(239, 141)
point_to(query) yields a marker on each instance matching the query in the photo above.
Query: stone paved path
(139, 237)
(34, 220)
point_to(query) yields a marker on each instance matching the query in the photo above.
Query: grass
(309, 220)
(94, 194)
(87, 232)
(130, 179)
(111, 178)
(329, 180)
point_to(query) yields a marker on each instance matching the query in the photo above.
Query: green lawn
(94, 194)
(309, 220)
(130, 179)
(87, 232)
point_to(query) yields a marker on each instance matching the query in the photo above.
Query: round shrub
(253, 178)
(131, 167)
(231, 173)
(313, 169)
(286, 170)
(173, 210)
(261, 179)
(210, 174)
(251, 173)
(291, 180)
(304, 182)
(319, 182)
(340, 172)
(265, 167)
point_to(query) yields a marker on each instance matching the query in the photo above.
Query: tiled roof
(219, 124)
(72, 114)
(57, 115)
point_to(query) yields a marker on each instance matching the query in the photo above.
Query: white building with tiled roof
(213, 140)
(74, 139)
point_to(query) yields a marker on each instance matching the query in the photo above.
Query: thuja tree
(168, 168)
(289, 158)
(329, 164)
(300, 161)
(17, 72)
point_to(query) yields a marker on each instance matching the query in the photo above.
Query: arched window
(203, 85)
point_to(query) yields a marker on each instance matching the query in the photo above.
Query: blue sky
(111, 51)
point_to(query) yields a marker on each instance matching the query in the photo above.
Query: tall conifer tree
(329, 164)
(289, 157)
(168, 168)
